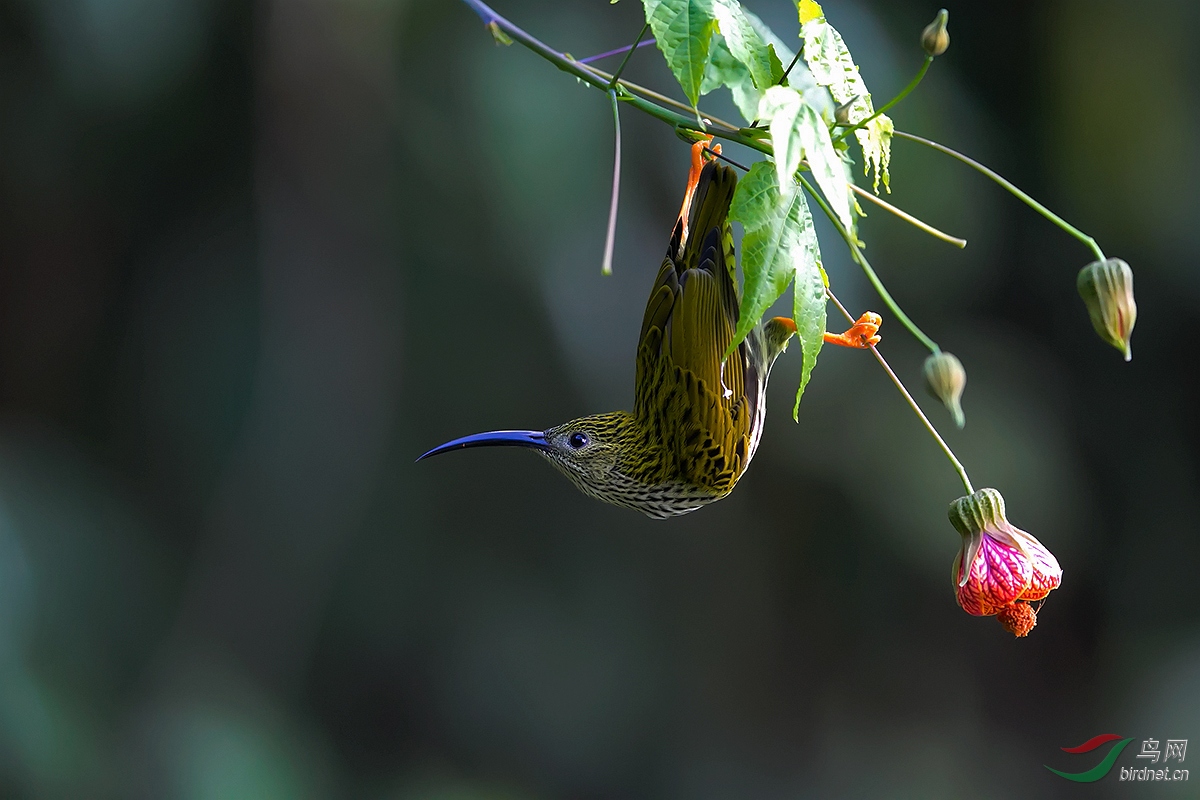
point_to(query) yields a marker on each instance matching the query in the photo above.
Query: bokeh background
(255, 257)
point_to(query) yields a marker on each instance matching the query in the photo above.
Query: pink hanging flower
(1000, 568)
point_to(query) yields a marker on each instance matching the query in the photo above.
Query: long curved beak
(535, 439)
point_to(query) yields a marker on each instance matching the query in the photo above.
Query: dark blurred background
(254, 258)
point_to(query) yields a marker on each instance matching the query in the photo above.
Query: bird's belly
(659, 501)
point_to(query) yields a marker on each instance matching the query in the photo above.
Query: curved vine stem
(958, 466)
(611, 237)
(1029, 201)
(903, 94)
(907, 217)
(856, 253)
(616, 52)
(626, 92)
(650, 94)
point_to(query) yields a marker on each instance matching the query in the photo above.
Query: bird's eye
(578, 440)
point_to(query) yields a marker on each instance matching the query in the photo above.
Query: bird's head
(591, 451)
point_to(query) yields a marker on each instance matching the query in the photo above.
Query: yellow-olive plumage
(697, 419)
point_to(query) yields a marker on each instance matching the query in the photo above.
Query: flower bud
(945, 378)
(1107, 290)
(935, 38)
(841, 114)
(998, 563)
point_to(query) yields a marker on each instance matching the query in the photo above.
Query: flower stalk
(1025, 198)
(858, 256)
(958, 467)
(904, 215)
(913, 84)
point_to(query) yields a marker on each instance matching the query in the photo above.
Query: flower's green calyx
(1107, 290)
(935, 38)
(945, 379)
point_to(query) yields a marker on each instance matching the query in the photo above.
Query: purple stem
(611, 237)
(616, 52)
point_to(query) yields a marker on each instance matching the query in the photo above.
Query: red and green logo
(1100, 770)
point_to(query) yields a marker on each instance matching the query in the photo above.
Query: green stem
(1029, 201)
(650, 94)
(866, 267)
(903, 94)
(788, 71)
(958, 467)
(625, 91)
(783, 77)
(907, 217)
(612, 84)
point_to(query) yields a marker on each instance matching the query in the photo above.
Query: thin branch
(1029, 201)
(617, 75)
(909, 218)
(958, 467)
(783, 77)
(611, 237)
(593, 77)
(616, 52)
(788, 71)
(726, 159)
(662, 98)
(856, 253)
(903, 94)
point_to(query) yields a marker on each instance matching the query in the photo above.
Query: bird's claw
(863, 334)
(699, 156)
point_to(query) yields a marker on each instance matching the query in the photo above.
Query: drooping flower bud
(998, 565)
(945, 378)
(935, 38)
(1107, 290)
(841, 114)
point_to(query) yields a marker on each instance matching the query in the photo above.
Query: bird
(697, 416)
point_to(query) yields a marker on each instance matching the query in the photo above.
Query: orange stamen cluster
(863, 334)
(1018, 619)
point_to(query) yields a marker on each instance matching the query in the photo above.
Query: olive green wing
(691, 403)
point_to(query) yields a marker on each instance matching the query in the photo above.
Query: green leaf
(808, 301)
(725, 70)
(744, 42)
(498, 34)
(768, 244)
(741, 58)
(799, 77)
(798, 132)
(776, 65)
(764, 31)
(779, 244)
(683, 30)
(831, 65)
(825, 163)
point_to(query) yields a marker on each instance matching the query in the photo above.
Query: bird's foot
(699, 156)
(863, 334)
